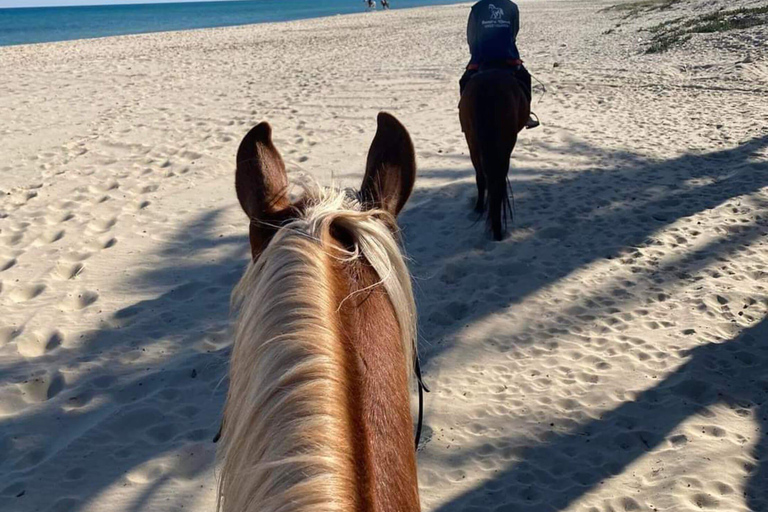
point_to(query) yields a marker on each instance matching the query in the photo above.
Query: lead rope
(543, 93)
(422, 389)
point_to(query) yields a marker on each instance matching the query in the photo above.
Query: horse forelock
(285, 439)
(374, 239)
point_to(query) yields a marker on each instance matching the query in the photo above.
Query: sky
(59, 3)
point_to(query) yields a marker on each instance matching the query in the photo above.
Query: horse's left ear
(261, 185)
(391, 167)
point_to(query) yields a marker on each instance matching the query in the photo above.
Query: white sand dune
(609, 355)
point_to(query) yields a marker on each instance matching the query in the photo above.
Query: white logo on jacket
(496, 12)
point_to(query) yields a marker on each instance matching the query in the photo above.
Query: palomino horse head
(318, 411)
(492, 110)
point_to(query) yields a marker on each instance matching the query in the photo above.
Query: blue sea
(45, 24)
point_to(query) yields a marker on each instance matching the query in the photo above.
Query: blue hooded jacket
(492, 30)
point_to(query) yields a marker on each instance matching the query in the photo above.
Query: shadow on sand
(133, 392)
(130, 402)
(570, 221)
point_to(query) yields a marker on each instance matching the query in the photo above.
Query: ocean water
(46, 24)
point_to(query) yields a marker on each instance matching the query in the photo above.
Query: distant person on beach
(371, 4)
(385, 4)
(492, 33)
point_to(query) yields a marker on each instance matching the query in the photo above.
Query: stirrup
(531, 122)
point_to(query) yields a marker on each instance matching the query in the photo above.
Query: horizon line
(107, 3)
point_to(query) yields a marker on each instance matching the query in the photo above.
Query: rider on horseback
(491, 32)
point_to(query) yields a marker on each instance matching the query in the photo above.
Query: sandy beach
(609, 355)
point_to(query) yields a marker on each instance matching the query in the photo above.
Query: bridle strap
(422, 389)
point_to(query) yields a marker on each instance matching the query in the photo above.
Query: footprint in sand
(629, 505)
(67, 270)
(80, 300)
(8, 334)
(53, 236)
(5, 265)
(65, 505)
(25, 293)
(39, 343)
(106, 187)
(102, 225)
(78, 401)
(60, 219)
(722, 488)
(75, 474)
(190, 460)
(16, 489)
(41, 388)
(76, 256)
(162, 433)
(130, 423)
(185, 291)
(102, 243)
(14, 239)
(147, 472)
(704, 501)
(104, 381)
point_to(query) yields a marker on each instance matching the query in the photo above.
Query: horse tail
(494, 157)
(500, 212)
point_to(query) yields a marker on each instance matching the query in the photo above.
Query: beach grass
(632, 9)
(678, 31)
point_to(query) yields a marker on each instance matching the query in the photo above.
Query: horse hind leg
(496, 211)
(480, 204)
(498, 201)
(479, 176)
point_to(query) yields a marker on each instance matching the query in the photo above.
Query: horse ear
(261, 184)
(391, 167)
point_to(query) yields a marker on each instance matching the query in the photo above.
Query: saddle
(496, 64)
(513, 66)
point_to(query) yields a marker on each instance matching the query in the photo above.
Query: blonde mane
(286, 442)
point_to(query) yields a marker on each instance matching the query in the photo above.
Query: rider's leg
(525, 78)
(465, 79)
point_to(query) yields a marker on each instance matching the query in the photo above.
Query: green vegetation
(662, 43)
(722, 21)
(634, 8)
(677, 31)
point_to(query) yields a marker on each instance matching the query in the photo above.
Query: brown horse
(318, 410)
(492, 110)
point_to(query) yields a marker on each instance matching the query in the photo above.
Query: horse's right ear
(261, 184)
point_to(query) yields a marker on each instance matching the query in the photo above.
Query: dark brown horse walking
(493, 109)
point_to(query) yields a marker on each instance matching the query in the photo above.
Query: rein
(422, 389)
